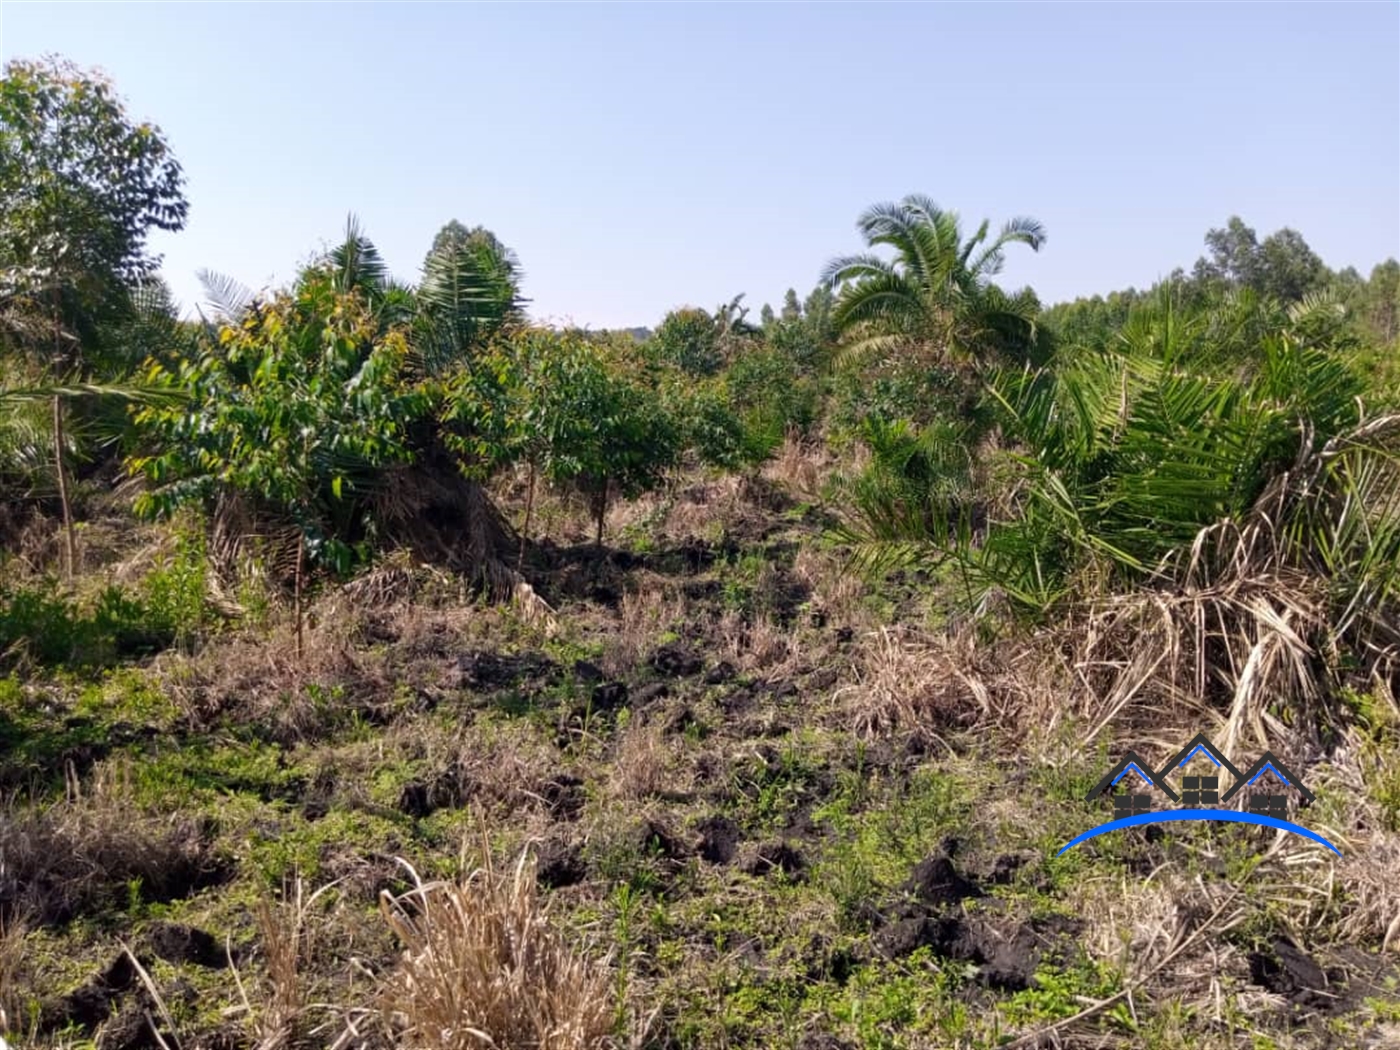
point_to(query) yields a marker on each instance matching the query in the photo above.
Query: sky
(639, 157)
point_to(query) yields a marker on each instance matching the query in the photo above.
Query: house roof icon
(1263, 764)
(1199, 744)
(1131, 761)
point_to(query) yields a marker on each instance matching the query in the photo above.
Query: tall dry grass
(482, 966)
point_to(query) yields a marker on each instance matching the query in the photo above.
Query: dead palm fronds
(1233, 536)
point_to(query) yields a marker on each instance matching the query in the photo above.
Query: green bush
(40, 625)
(771, 395)
(175, 592)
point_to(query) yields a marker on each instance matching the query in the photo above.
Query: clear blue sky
(639, 157)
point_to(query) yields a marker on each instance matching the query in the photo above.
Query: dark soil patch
(565, 797)
(935, 883)
(774, 856)
(487, 671)
(650, 693)
(720, 673)
(559, 864)
(609, 695)
(449, 789)
(130, 1028)
(91, 1003)
(177, 943)
(823, 1041)
(651, 838)
(675, 661)
(587, 671)
(1007, 958)
(1285, 969)
(719, 839)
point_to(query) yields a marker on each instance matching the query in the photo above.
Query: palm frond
(226, 297)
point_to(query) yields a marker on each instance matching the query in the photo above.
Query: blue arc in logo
(1165, 815)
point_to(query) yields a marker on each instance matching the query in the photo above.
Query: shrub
(42, 626)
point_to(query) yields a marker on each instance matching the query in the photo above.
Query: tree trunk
(529, 509)
(301, 556)
(601, 510)
(70, 537)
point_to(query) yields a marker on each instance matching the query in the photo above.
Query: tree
(1234, 255)
(552, 401)
(81, 186)
(1283, 267)
(470, 290)
(1380, 302)
(1290, 270)
(688, 339)
(937, 291)
(792, 309)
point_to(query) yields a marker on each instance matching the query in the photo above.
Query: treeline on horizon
(1036, 453)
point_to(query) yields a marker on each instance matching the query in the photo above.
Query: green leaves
(1128, 455)
(299, 407)
(80, 188)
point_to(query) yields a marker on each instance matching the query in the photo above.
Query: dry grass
(757, 645)
(801, 467)
(642, 617)
(482, 966)
(285, 935)
(911, 682)
(251, 680)
(12, 935)
(78, 856)
(836, 592)
(643, 765)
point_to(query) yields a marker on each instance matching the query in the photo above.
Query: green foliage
(1128, 455)
(44, 626)
(175, 592)
(558, 402)
(772, 396)
(709, 426)
(81, 186)
(470, 291)
(688, 338)
(916, 478)
(1283, 267)
(297, 407)
(804, 333)
(937, 292)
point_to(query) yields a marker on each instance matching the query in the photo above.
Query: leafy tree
(296, 408)
(622, 439)
(1380, 302)
(699, 342)
(771, 395)
(1283, 267)
(688, 338)
(1234, 255)
(81, 186)
(792, 309)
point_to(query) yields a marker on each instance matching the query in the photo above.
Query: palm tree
(937, 291)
